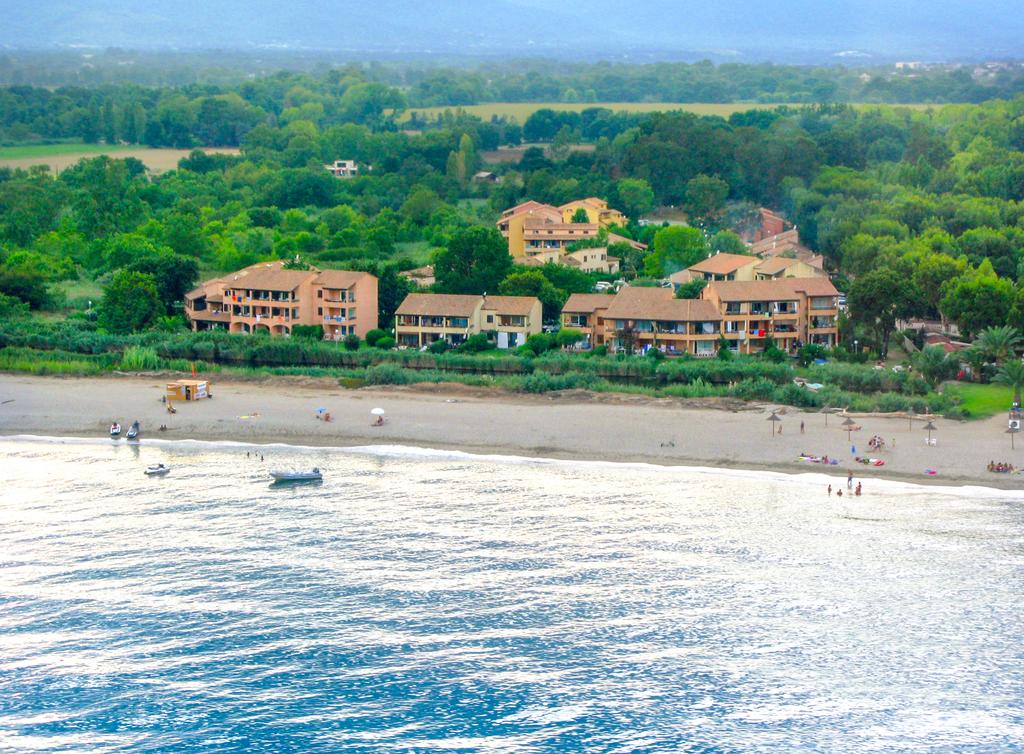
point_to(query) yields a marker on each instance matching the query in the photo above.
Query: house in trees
(534, 229)
(268, 297)
(343, 169)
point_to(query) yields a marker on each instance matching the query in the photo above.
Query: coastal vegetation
(918, 214)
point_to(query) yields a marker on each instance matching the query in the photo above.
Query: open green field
(523, 110)
(59, 157)
(51, 150)
(982, 401)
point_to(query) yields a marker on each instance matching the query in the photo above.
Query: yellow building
(532, 227)
(424, 318)
(723, 267)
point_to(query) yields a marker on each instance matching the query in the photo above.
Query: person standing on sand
(849, 480)
(830, 490)
(801, 426)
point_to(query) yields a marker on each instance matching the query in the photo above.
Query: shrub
(351, 342)
(140, 358)
(568, 337)
(387, 374)
(374, 335)
(655, 354)
(438, 346)
(476, 343)
(386, 343)
(540, 342)
(752, 389)
(599, 351)
(308, 332)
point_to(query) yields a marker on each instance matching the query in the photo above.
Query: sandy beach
(598, 427)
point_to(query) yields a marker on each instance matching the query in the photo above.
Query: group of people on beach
(849, 485)
(1001, 468)
(877, 443)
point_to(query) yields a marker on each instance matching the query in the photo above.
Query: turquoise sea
(421, 601)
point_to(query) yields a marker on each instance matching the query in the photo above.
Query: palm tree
(998, 343)
(935, 365)
(1011, 374)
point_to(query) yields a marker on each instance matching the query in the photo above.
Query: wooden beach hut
(188, 390)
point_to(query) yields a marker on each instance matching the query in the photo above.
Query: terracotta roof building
(586, 312)
(638, 319)
(266, 296)
(424, 318)
(789, 311)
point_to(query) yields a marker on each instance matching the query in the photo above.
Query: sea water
(422, 601)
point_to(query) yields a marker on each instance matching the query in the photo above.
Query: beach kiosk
(188, 390)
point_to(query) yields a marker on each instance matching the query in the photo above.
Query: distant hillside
(598, 29)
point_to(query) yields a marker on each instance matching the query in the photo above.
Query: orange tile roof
(785, 289)
(660, 304)
(340, 278)
(511, 305)
(439, 304)
(723, 264)
(587, 302)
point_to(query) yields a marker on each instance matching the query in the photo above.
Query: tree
(1011, 374)
(978, 299)
(935, 365)
(636, 195)
(675, 248)
(534, 283)
(568, 337)
(475, 261)
(705, 195)
(372, 336)
(130, 302)
(691, 288)
(25, 285)
(727, 242)
(174, 274)
(998, 343)
(580, 216)
(932, 272)
(877, 299)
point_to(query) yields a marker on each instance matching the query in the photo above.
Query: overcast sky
(935, 29)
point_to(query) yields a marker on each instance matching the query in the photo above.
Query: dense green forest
(113, 97)
(920, 212)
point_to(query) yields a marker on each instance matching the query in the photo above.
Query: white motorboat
(297, 475)
(157, 470)
(115, 430)
(133, 431)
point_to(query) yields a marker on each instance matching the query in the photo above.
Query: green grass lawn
(981, 401)
(78, 292)
(417, 251)
(50, 150)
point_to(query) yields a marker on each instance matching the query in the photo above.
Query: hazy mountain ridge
(519, 28)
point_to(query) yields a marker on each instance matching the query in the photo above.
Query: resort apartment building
(268, 297)
(586, 312)
(424, 318)
(722, 267)
(594, 259)
(788, 310)
(535, 229)
(639, 319)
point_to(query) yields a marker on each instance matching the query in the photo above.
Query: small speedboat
(300, 475)
(115, 430)
(133, 431)
(157, 470)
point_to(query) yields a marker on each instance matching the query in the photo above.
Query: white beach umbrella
(377, 411)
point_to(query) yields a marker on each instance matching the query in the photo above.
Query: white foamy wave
(808, 478)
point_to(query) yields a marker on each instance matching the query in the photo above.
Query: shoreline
(659, 432)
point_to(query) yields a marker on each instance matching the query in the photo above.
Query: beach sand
(576, 426)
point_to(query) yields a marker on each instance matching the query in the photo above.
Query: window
(733, 308)
(490, 318)
(320, 311)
